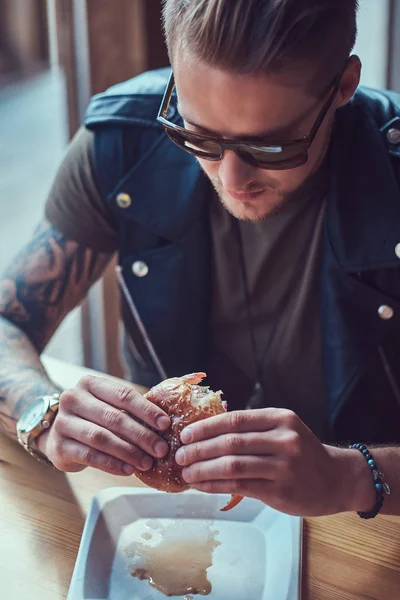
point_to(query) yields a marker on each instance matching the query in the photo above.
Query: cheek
(210, 168)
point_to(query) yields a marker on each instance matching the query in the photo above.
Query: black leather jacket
(166, 227)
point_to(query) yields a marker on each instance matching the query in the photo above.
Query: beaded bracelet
(381, 487)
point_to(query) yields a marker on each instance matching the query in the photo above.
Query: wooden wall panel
(24, 34)
(120, 39)
(68, 60)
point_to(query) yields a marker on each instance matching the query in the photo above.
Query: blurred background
(54, 54)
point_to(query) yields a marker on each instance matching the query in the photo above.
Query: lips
(246, 196)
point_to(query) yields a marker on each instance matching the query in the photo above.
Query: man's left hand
(270, 454)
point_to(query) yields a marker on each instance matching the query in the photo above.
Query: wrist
(355, 489)
(41, 442)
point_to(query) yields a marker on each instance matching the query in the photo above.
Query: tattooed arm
(49, 278)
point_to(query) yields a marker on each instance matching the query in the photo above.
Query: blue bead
(368, 456)
(378, 486)
(371, 463)
(365, 451)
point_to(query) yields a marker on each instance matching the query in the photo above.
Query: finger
(252, 488)
(74, 453)
(127, 398)
(225, 445)
(84, 405)
(229, 467)
(105, 441)
(240, 421)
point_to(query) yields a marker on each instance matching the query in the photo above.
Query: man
(258, 240)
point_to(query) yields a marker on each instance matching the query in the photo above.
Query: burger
(185, 402)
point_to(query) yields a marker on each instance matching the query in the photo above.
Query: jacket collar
(363, 214)
(166, 174)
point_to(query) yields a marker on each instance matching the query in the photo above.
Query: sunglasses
(258, 153)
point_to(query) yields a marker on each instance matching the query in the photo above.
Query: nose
(234, 173)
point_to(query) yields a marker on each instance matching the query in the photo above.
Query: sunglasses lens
(202, 148)
(268, 157)
(288, 157)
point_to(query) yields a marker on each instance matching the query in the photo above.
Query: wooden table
(42, 513)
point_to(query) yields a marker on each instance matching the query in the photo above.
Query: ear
(349, 82)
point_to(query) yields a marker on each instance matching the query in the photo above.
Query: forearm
(48, 278)
(22, 376)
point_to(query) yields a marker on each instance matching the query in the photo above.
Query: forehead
(236, 105)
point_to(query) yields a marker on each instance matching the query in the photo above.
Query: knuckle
(238, 419)
(293, 443)
(113, 418)
(212, 486)
(59, 447)
(148, 409)
(86, 381)
(133, 454)
(192, 453)
(232, 443)
(111, 464)
(97, 438)
(68, 399)
(233, 466)
(240, 486)
(289, 418)
(87, 456)
(124, 394)
(60, 422)
(145, 437)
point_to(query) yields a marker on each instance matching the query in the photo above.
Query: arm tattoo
(22, 376)
(48, 278)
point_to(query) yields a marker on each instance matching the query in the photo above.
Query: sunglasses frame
(303, 144)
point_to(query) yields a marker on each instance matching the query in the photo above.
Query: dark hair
(250, 36)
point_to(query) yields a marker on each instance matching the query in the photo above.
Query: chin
(254, 212)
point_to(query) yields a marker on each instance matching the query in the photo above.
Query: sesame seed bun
(185, 402)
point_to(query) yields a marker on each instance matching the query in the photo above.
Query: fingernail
(146, 463)
(186, 435)
(128, 469)
(186, 474)
(180, 456)
(163, 423)
(161, 449)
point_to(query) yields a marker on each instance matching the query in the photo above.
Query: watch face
(32, 415)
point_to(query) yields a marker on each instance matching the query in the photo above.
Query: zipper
(135, 314)
(389, 374)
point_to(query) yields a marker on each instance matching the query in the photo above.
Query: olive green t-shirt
(282, 260)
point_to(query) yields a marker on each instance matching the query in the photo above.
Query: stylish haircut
(264, 36)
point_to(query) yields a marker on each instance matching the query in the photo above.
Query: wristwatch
(35, 419)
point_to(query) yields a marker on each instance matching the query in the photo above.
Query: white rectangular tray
(259, 556)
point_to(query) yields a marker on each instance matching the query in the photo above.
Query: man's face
(223, 104)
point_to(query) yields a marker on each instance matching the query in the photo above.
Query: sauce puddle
(177, 563)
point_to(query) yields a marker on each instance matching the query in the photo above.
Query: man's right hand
(98, 426)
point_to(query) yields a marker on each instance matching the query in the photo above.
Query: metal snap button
(140, 268)
(124, 200)
(385, 312)
(393, 136)
(397, 250)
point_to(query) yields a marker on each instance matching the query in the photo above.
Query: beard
(262, 209)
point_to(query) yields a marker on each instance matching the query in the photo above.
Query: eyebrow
(265, 135)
